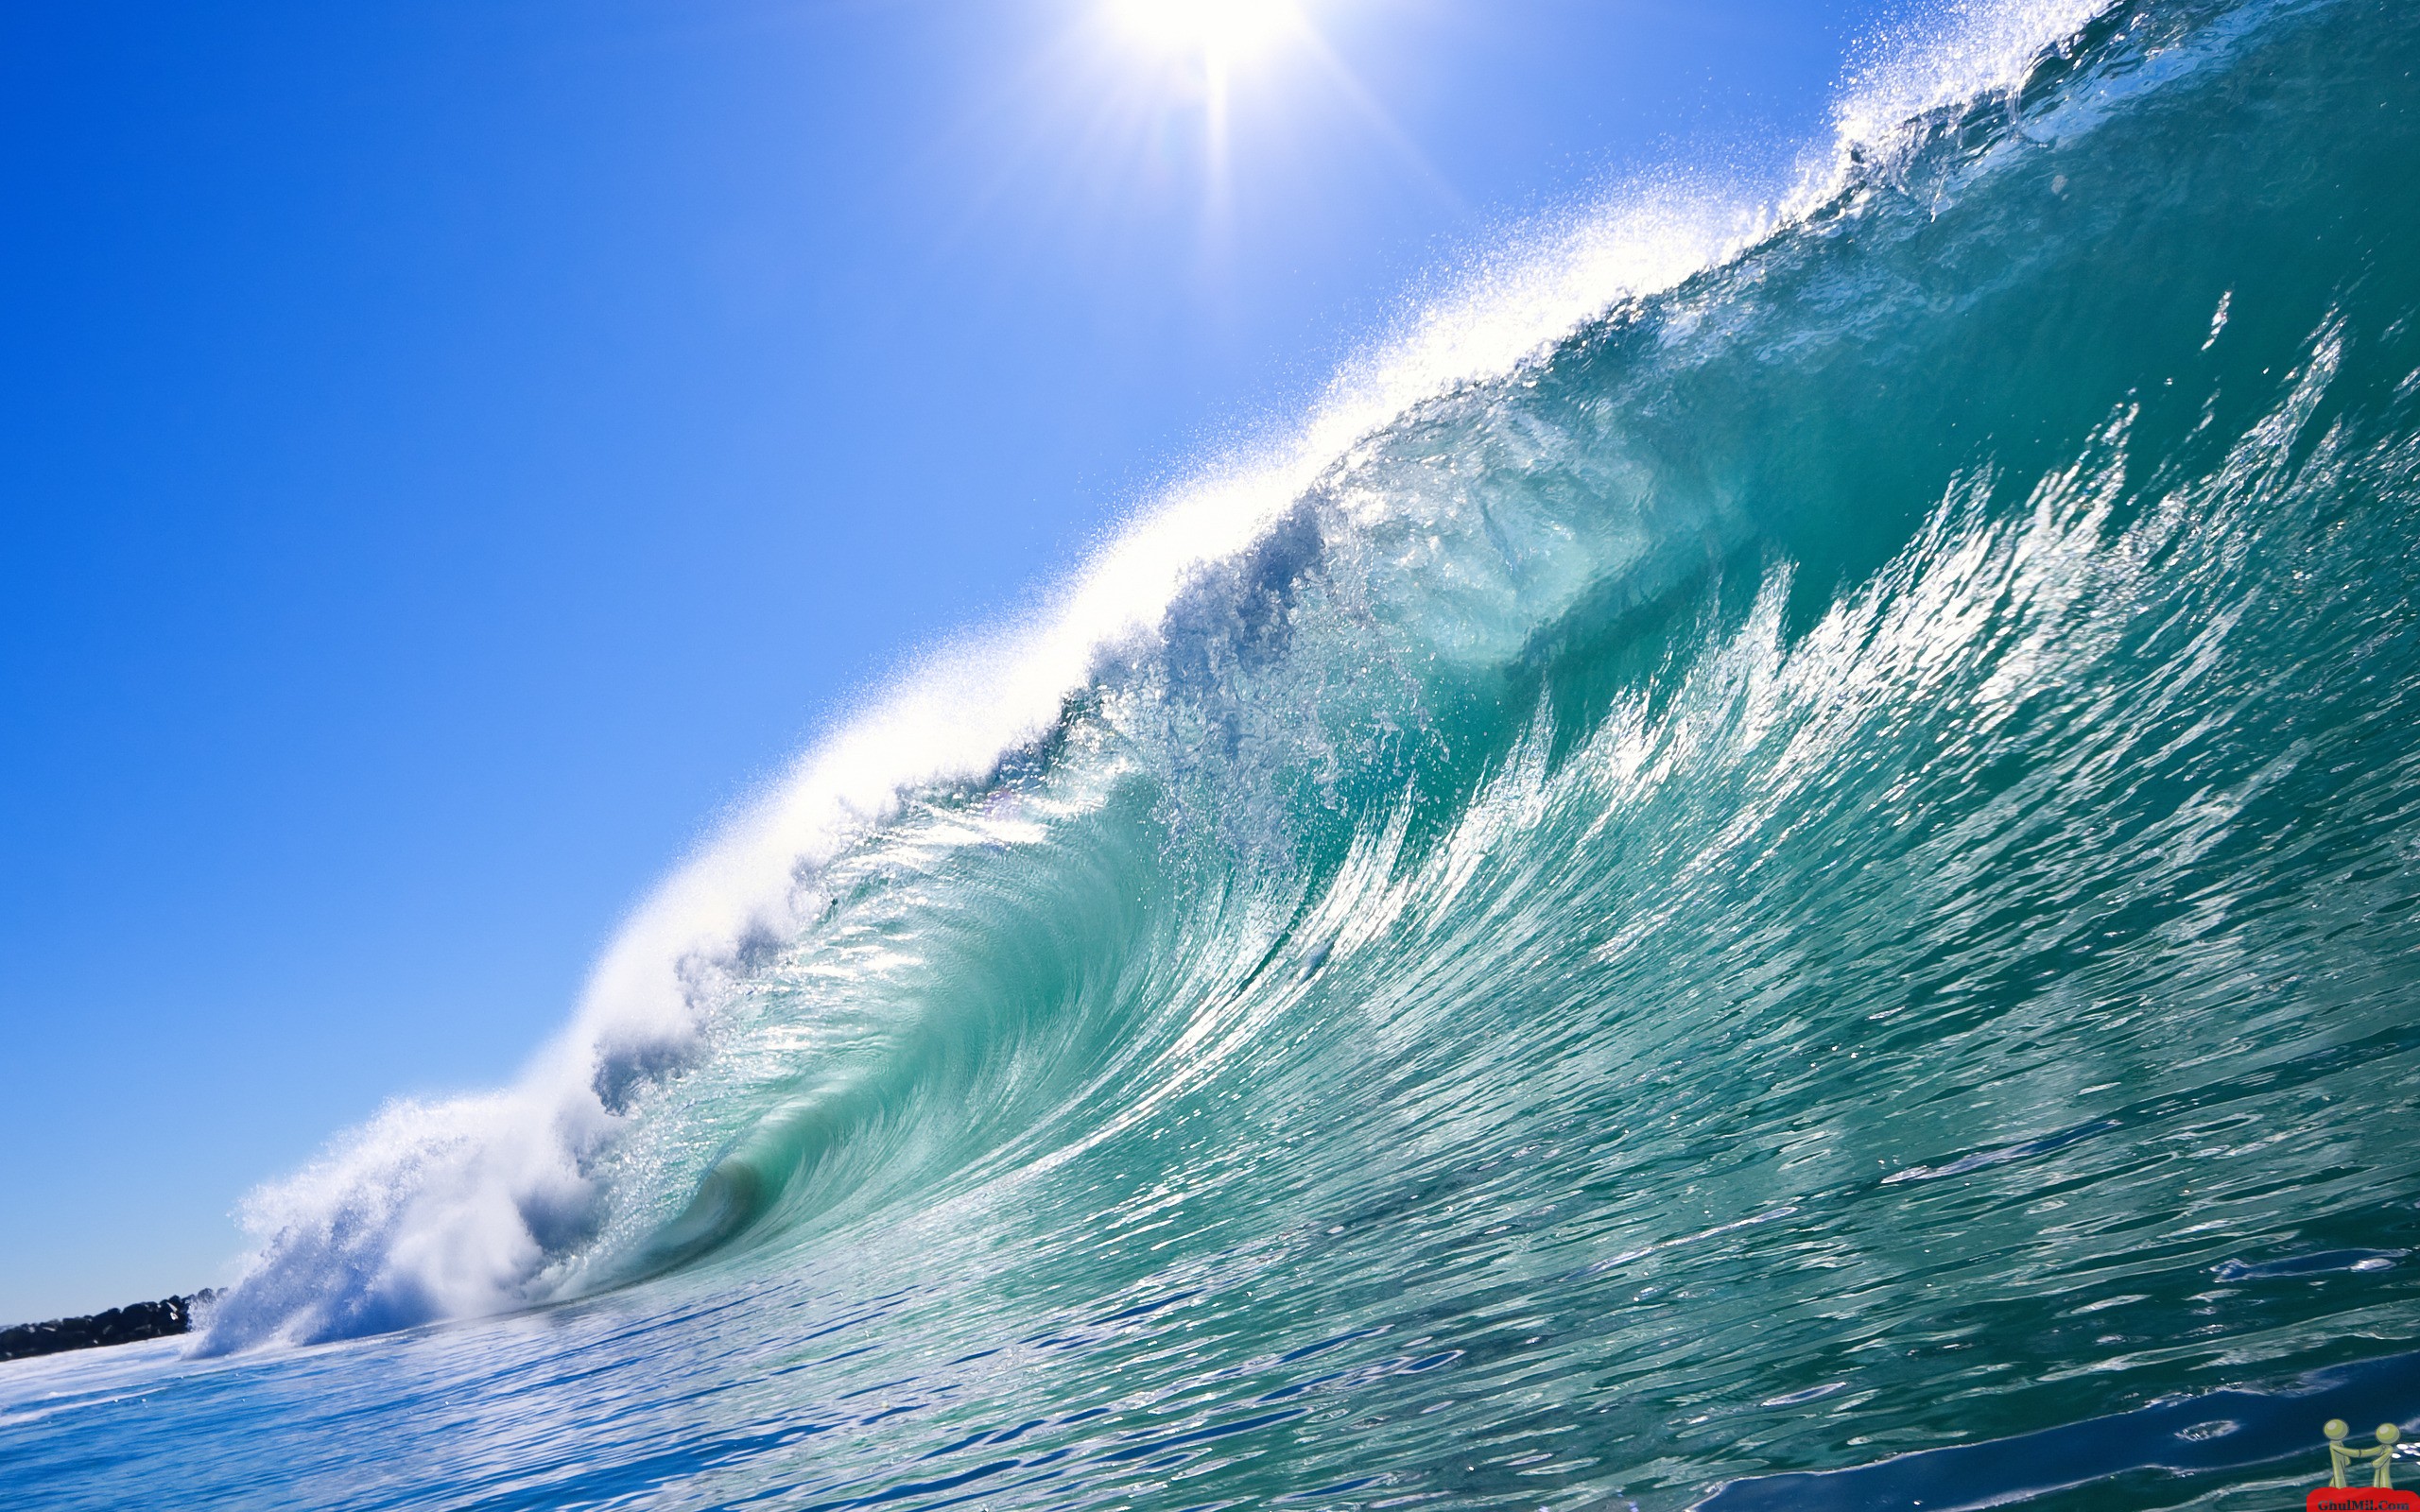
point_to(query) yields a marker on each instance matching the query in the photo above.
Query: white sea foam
(1946, 55)
(483, 1203)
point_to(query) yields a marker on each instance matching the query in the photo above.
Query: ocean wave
(1676, 512)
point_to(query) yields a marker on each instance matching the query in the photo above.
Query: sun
(1216, 30)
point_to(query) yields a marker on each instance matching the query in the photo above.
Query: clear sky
(450, 453)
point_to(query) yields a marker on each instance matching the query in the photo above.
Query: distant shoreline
(131, 1324)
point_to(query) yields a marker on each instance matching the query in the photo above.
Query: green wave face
(1793, 880)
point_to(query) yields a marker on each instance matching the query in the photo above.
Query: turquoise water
(1806, 897)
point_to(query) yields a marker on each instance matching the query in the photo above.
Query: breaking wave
(1800, 778)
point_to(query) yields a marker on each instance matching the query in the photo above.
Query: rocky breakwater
(131, 1324)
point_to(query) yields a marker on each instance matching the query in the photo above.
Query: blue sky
(449, 454)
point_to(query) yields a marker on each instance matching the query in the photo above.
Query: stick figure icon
(2342, 1458)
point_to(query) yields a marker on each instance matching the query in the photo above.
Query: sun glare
(1178, 74)
(1217, 29)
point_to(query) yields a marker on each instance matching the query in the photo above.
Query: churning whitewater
(1775, 864)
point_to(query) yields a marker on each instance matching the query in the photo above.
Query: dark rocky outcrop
(119, 1324)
